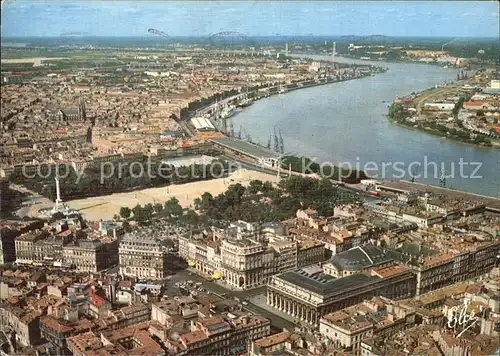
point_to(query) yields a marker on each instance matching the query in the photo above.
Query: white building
(202, 124)
(241, 262)
(315, 66)
(439, 106)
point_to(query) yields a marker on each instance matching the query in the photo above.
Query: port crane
(276, 142)
(442, 179)
(414, 173)
(224, 125)
(281, 144)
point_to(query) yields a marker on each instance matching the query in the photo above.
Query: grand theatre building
(307, 293)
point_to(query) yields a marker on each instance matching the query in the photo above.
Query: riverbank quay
(463, 111)
(347, 122)
(403, 186)
(441, 134)
(258, 93)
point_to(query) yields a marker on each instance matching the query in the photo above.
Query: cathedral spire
(82, 112)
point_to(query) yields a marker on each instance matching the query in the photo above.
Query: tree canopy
(118, 177)
(397, 112)
(259, 202)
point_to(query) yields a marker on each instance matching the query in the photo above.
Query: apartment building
(91, 255)
(8, 243)
(131, 340)
(25, 247)
(57, 331)
(269, 344)
(24, 322)
(241, 262)
(201, 253)
(338, 234)
(141, 256)
(250, 256)
(220, 335)
(440, 258)
(309, 252)
(375, 317)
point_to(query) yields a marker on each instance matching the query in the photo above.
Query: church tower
(89, 135)
(82, 111)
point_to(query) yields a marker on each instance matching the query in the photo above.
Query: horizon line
(208, 35)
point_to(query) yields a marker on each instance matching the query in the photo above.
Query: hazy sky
(187, 18)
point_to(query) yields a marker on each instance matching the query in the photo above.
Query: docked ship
(244, 103)
(227, 112)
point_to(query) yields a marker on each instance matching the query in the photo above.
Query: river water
(345, 124)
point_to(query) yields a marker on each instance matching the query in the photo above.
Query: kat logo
(461, 317)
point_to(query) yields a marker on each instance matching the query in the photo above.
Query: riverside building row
(71, 113)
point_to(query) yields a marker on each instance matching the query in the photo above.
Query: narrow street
(277, 322)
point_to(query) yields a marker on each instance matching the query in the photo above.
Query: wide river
(345, 123)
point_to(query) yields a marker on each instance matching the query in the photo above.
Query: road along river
(345, 123)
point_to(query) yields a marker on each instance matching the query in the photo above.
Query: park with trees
(258, 202)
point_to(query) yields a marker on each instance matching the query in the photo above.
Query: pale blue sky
(191, 18)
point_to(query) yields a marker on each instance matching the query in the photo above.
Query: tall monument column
(58, 195)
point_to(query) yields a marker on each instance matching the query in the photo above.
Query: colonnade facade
(242, 280)
(295, 308)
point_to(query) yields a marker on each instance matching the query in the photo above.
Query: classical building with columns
(357, 260)
(247, 255)
(241, 262)
(308, 294)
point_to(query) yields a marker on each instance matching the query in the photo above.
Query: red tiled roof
(98, 301)
(65, 233)
(124, 284)
(474, 103)
(13, 300)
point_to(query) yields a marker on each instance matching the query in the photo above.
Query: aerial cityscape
(250, 178)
